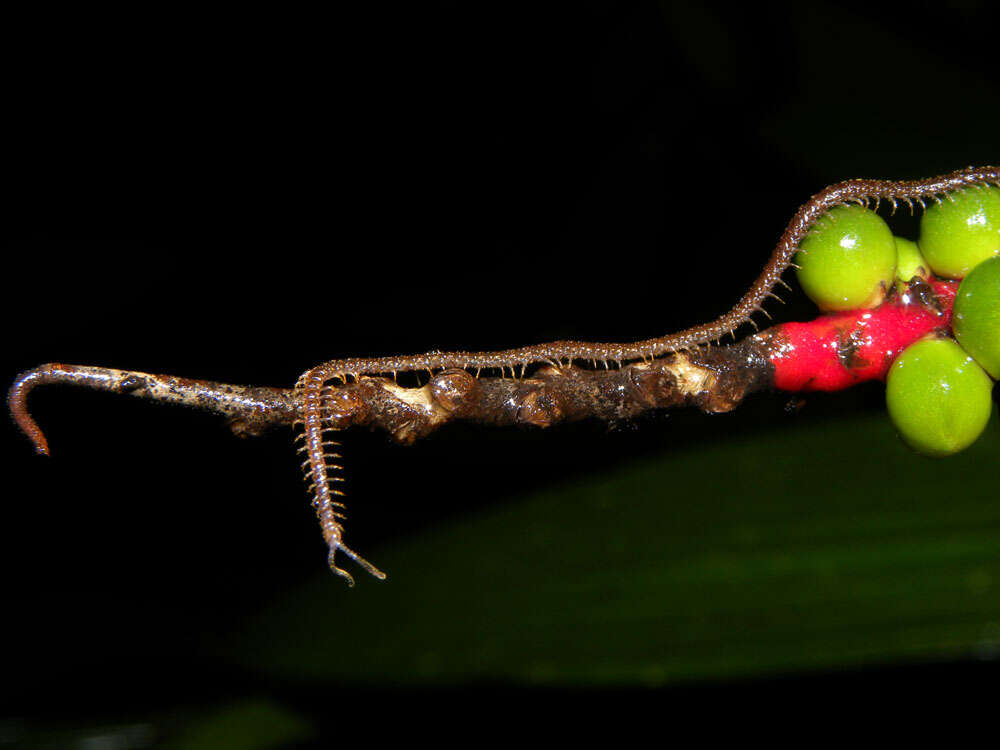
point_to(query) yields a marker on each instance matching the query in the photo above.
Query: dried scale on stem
(664, 372)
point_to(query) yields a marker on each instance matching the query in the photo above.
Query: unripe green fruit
(848, 260)
(909, 261)
(976, 320)
(938, 397)
(961, 231)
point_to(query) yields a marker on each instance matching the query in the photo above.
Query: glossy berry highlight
(938, 397)
(977, 315)
(848, 260)
(961, 231)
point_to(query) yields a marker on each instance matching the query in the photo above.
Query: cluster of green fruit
(938, 390)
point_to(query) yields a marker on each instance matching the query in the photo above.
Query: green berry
(938, 397)
(976, 320)
(909, 261)
(961, 231)
(848, 260)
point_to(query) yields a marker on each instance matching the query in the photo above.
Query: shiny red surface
(838, 350)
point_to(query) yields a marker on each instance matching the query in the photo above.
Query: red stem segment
(839, 350)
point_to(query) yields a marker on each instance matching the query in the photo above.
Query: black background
(241, 197)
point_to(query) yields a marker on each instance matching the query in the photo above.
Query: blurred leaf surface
(823, 545)
(249, 724)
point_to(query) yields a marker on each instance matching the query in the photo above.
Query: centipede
(547, 383)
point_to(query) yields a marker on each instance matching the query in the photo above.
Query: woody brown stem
(713, 380)
(250, 409)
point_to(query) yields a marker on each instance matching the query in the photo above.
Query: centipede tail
(321, 472)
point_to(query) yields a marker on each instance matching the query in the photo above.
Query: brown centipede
(679, 368)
